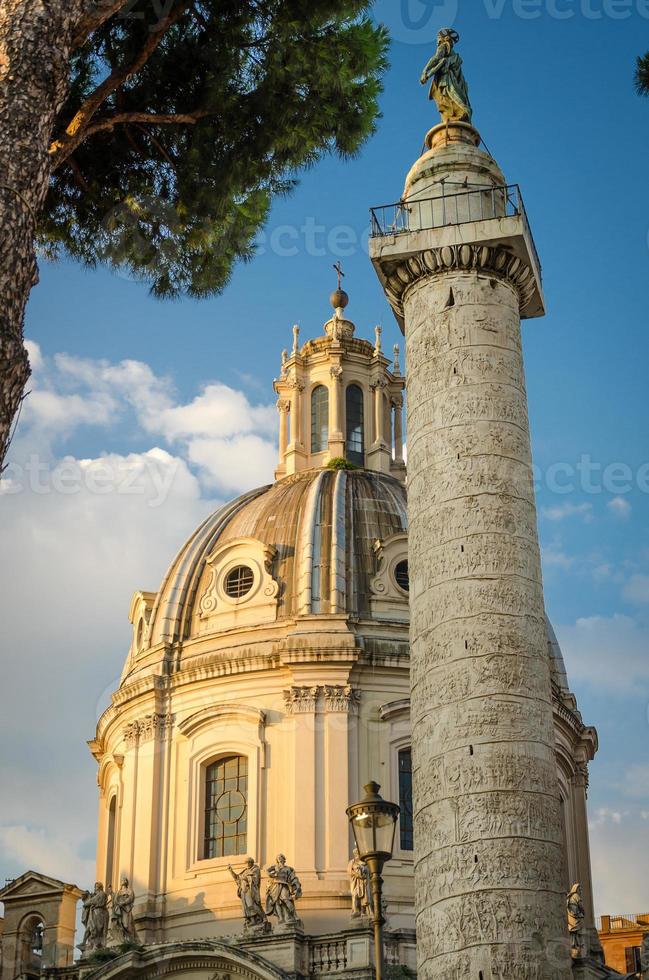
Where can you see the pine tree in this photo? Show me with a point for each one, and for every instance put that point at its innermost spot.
(642, 74)
(153, 135)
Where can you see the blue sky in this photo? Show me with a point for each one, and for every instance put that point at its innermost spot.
(175, 400)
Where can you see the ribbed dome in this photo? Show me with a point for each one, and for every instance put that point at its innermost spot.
(322, 526)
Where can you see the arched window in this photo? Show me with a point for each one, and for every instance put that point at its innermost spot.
(319, 419)
(31, 937)
(226, 807)
(354, 417)
(110, 841)
(405, 800)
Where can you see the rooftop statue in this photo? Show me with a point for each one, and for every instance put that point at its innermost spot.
(121, 927)
(448, 87)
(283, 892)
(248, 884)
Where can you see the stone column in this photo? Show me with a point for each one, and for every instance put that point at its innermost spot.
(336, 436)
(379, 426)
(398, 430)
(283, 407)
(488, 832)
(489, 899)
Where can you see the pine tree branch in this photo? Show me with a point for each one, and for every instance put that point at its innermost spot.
(79, 127)
(95, 13)
(147, 118)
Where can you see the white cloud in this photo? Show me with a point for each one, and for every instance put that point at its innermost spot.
(620, 508)
(36, 849)
(219, 412)
(80, 533)
(554, 557)
(618, 838)
(231, 464)
(636, 589)
(607, 653)
(562, 511)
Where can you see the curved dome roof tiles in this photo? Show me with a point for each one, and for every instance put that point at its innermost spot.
(322, 525)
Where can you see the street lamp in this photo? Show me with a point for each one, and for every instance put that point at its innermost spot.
(374, 821)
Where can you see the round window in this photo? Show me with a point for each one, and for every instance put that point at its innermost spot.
(401, 575)
(239, 581)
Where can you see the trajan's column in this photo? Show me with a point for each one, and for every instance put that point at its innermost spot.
(458, 265)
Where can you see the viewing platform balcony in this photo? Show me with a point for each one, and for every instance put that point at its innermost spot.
(485, 215)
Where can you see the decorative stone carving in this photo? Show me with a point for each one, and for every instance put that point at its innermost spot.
(296, 341)
(248, 883)
(359, 879)
(121, 927)
(490, 260)
(148, 727)
(337, 697)
(378, 330)
(341, 698)
(336, 373)
(282, 893)
(388, 599)
(140, 616)
(94, 917)
(300, 700)
(219, 610)
(396, 367)
(576, 916)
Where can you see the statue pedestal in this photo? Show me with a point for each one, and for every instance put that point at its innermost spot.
(293, 928)
(452, 132)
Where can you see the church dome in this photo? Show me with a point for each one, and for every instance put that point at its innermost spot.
(308, 544)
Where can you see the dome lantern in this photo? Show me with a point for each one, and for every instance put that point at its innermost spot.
(340, 398)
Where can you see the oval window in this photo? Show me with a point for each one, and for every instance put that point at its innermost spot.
(402, 576)
(239, 581)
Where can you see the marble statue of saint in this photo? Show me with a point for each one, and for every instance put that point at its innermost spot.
(576, 915)
(283, 892)
(359, 877)
(94, 917)
(448, 87)
(248, 883)
(644, 957)
(122, 927)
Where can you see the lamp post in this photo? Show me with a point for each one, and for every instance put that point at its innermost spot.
(373, 822)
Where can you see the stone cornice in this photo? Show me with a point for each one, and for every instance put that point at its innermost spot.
(494, 261)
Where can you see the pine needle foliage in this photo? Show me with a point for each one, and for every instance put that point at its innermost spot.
(642, 74)
(185, 118)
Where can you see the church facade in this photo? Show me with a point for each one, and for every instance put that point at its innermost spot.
(269, 676)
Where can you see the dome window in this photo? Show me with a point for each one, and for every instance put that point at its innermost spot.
(319, 419)
(239, 582)
(402, 575)
(355, 435)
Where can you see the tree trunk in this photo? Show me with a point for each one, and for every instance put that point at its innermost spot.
(35, 47)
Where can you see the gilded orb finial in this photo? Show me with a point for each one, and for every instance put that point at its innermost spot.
(339, 298)
(448, 88)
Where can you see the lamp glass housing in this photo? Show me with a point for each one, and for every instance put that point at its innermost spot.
(374, 822)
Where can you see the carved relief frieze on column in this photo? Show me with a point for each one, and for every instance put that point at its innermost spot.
(341, 697)
(146, 728)
(300, 700)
